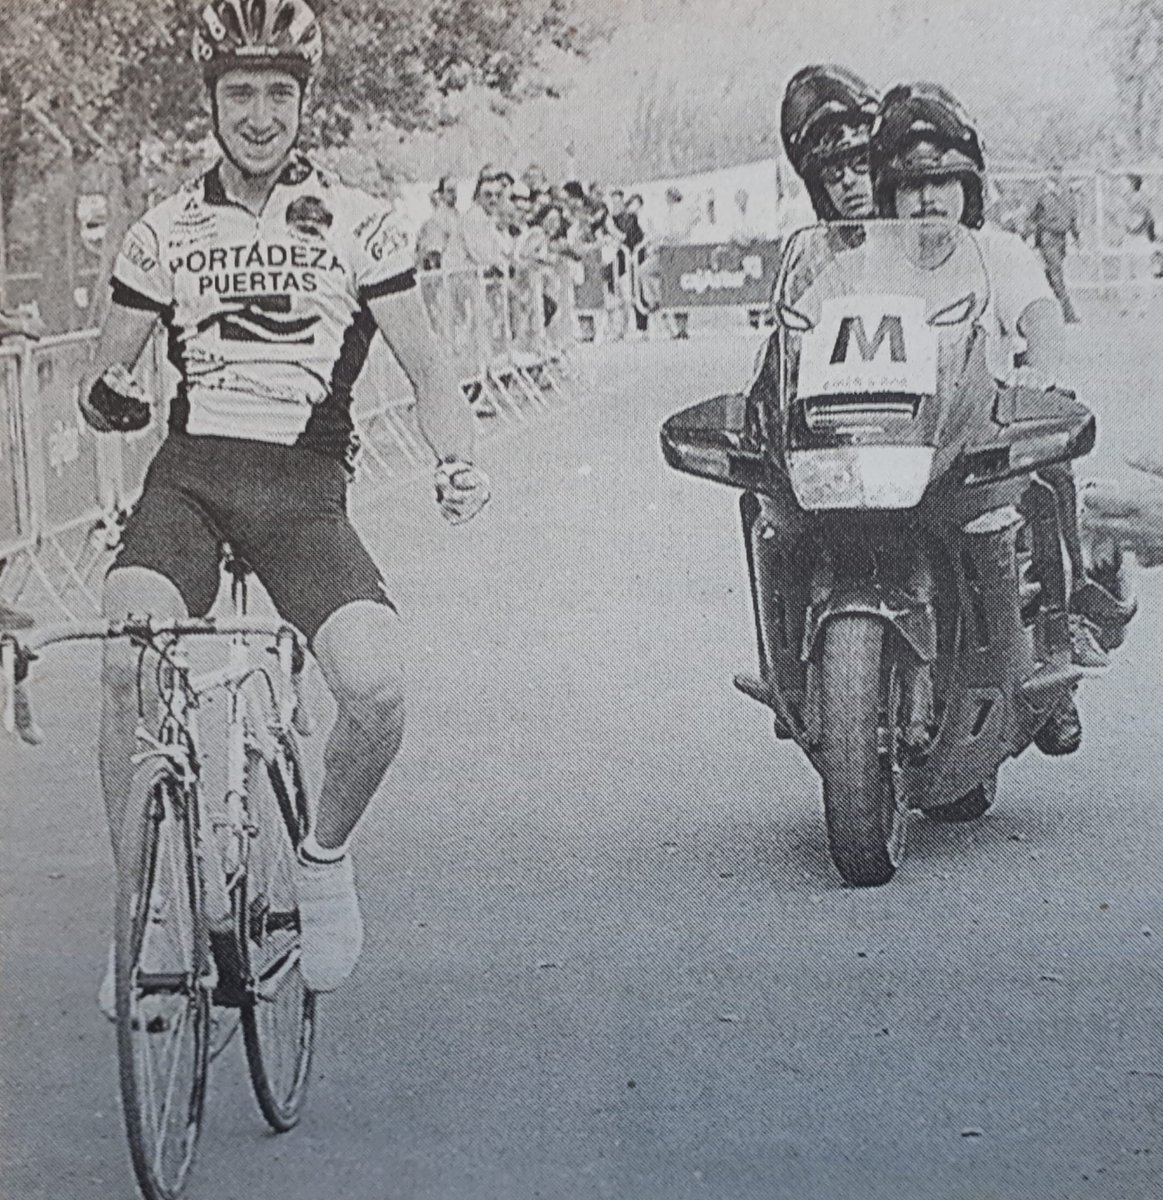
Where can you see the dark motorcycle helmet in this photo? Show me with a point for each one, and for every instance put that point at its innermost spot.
(826, 116)
(922, 132)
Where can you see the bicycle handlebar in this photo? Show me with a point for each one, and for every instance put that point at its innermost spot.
(18, 653)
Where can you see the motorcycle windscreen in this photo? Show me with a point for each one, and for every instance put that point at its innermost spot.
(874, 321)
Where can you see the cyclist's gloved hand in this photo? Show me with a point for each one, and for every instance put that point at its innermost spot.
(462, 490)
(116, 403)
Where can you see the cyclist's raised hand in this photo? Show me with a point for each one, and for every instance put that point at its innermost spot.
(462, 490)
(116, 403)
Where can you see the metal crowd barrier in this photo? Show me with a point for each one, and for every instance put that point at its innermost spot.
(509, 333)
(62, 484)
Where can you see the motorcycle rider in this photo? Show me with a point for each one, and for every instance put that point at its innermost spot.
(927, 161)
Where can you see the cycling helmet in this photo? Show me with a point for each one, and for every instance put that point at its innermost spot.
(922, 132)
(826, 116)
(280, 34)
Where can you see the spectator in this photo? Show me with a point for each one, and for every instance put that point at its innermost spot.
(486, 245)
(574, 197)
(1138, 246)
(633, 235)
(439, 242)
(520, 208)
(609, 241)
(530, 254)
(536, 181)
(1053, 219)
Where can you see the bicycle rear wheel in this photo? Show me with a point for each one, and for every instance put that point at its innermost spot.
(278, 1013)
(163, 999)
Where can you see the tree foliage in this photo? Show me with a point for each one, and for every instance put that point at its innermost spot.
(120, 70)
(1135, 30)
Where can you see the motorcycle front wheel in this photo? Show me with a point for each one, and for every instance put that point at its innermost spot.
(859, 750)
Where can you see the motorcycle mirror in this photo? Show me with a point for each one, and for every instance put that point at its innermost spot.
(1015, 405)
(707, 439)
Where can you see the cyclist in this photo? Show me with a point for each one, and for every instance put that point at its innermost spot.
(927, 161)
(271, 279)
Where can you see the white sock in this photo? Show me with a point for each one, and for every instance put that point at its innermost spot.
(310, 850)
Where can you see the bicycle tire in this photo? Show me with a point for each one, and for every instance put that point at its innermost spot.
(278, 1011)
(162, 993)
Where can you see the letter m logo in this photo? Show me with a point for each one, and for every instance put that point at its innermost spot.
(852, 329)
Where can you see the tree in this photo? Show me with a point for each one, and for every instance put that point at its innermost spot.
(122, 70)
(1136, 39)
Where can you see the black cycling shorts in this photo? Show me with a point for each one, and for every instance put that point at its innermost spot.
(283, 509)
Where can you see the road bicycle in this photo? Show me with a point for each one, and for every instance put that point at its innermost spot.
(206, 924)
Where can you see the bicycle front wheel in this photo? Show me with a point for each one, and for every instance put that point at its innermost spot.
(278, 1013)
(163, 998)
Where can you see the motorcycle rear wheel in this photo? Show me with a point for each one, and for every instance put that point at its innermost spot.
(859, 750)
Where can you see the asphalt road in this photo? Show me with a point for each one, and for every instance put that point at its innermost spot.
(607, 955)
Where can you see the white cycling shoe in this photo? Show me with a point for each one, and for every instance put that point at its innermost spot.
(331, 926)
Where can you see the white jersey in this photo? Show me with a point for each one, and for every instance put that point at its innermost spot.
(267, 314)
(1017, 279)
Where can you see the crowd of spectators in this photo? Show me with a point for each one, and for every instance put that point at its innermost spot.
(538, 234)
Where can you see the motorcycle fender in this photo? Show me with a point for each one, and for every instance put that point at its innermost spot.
(914, 623)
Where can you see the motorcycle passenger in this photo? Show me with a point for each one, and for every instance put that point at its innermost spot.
(927, 161)
(825, 125)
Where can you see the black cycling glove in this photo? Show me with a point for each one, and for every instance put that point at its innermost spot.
(114, 404)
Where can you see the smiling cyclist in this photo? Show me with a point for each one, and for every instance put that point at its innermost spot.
(271, 278)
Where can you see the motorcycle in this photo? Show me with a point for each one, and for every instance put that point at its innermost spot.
(910, 598)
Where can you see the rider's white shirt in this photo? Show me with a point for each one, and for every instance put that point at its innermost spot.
(1016, 279)
(267, 313)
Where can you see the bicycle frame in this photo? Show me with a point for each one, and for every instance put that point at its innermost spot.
(179, 742)
(180, 692)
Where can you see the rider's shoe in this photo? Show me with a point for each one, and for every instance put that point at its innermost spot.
(1062, 732)
(1106, 599)
(332, 929)
(1085, 650)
